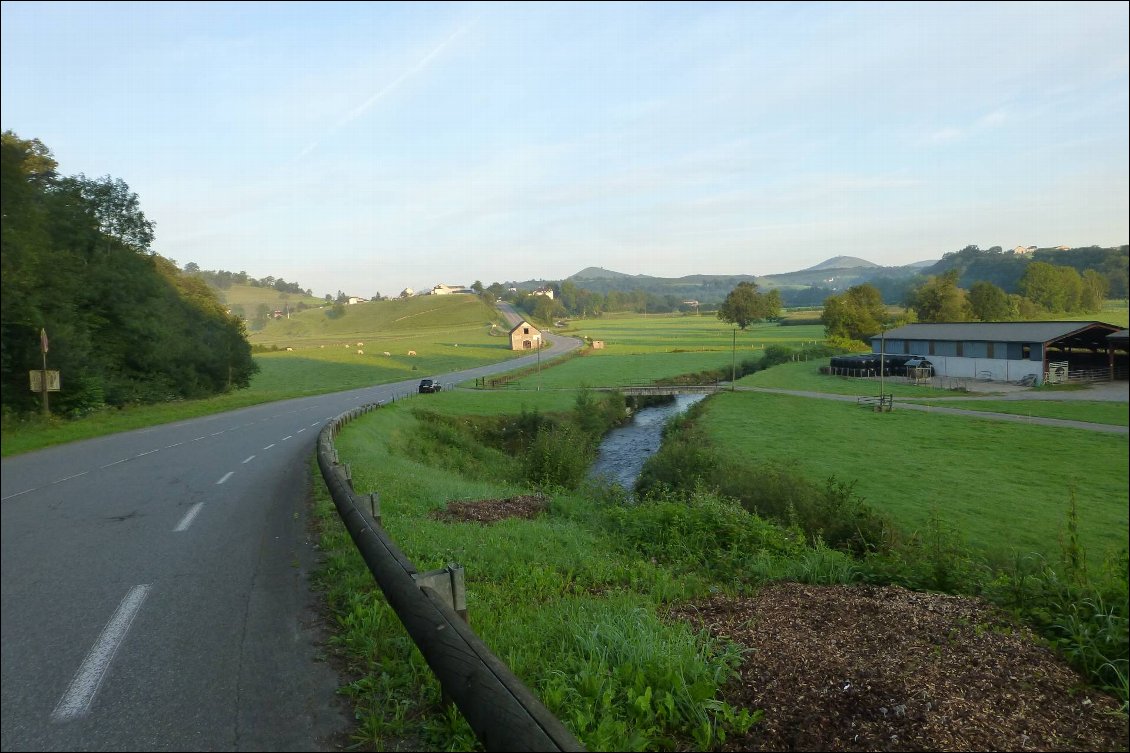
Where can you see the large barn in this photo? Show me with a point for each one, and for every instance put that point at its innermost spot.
(1013, 351)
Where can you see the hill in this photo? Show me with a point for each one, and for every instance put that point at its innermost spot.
(392, 318)
(250, 297)
(843, 262)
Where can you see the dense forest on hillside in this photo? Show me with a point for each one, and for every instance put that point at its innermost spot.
(123, 325)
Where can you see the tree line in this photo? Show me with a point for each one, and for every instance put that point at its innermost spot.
(223, 280)
(124, 325)
(1045, 290)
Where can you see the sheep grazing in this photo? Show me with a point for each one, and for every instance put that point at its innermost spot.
(360, 352)
(360, 345)
(387, 353)
(290, 350)
(411, 352)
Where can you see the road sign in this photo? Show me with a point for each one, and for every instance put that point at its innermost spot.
(36, 378)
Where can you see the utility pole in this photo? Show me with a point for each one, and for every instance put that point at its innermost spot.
(882, 365)
(43, 382)
(539, 363)
(733, 358)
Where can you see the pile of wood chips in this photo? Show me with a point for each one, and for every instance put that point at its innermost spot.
(488, 511)
(882, 668)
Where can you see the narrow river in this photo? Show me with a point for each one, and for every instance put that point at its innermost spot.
(625, 449)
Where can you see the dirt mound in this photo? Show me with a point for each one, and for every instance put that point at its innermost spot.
(493, 510)
(883, 668)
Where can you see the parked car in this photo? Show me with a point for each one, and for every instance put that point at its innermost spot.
(429, 385)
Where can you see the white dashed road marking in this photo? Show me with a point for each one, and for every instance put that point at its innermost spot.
(189, 516)
(227, 475)
(76, 701)
(245, 462)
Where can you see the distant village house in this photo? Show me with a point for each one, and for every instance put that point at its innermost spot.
(442, 289)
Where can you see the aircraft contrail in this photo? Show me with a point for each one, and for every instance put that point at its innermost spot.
(361, 109)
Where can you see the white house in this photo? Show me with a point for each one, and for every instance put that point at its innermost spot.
(442, 289)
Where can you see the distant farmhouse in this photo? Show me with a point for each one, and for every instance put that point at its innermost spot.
(525, 336)
(1023, 250)
(1013, 351)
(442, 289)
(547, 292)
(355, 299)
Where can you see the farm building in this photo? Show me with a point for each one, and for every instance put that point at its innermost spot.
(525, 336)
(1013, 351)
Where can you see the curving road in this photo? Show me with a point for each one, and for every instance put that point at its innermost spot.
(155, 589)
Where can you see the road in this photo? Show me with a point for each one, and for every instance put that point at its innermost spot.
(156, 585)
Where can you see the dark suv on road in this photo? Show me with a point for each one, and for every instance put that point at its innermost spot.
(429, 385)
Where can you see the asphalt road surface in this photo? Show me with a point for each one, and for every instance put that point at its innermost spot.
(155, 585)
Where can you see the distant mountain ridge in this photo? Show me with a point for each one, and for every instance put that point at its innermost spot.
(842, 262)
(808, 287)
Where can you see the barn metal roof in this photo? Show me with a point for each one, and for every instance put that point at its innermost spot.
(1027, 332)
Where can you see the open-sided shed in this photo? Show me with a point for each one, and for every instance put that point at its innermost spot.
(1011, 351)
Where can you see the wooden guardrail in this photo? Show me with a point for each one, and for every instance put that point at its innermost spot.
(501, 710)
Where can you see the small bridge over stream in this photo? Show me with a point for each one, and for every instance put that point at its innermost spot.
(664, 389)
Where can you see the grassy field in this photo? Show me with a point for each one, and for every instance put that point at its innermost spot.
(1094, 411)
(1005, 486)
(250, 297)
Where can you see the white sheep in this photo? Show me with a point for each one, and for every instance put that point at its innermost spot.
(387, 353)
(360, 345)
(290, 350)
(360, 352)
(411, 352)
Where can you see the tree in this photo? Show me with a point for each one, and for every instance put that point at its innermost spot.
(477, 286)
(1052, 288)
(988, 302)
(939, 299)
(744, 305)
(116, 209)
(1095, 287)
(856, 315)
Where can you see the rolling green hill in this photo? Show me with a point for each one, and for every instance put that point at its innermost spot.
(250, 297)
(423, 316)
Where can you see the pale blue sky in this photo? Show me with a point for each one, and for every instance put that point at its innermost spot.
(368, 147)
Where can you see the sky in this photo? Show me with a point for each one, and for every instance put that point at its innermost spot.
(370, 147)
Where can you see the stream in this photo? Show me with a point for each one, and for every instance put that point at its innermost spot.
(625, 449)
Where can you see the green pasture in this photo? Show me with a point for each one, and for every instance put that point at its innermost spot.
(668, 332)
(644, 349)
(250, 297)
(1094, 411)
(396, 325)
(1005, 486)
